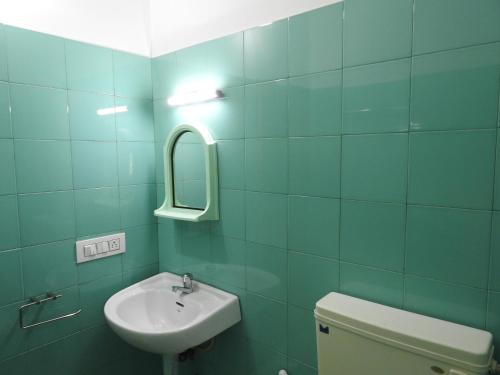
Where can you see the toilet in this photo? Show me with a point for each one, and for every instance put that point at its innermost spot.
(358, 337)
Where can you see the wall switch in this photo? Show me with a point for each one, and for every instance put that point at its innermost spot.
(100, 247)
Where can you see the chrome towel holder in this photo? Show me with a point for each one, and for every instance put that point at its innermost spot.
(36, 301)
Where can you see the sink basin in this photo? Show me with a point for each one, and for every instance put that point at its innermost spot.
(149, 316)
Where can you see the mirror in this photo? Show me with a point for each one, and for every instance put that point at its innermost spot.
(191, 177)
(189, 172)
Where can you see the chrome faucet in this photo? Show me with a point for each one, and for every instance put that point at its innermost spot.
(187, 284)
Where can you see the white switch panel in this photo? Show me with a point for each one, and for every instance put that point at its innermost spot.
(100, 247)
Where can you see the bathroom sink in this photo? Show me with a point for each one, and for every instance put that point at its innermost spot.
(151, 317)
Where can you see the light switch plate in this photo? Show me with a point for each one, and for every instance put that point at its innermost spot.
(107, 245)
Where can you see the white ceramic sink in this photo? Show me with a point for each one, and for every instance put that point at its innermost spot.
(150, 316)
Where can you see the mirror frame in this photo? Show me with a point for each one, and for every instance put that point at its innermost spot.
(168, 208)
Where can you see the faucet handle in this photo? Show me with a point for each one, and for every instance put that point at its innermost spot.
(187, 279)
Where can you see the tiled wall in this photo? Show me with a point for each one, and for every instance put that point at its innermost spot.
(67, 173)
(357, 153)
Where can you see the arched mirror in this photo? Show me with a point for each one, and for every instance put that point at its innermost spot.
(191, 180)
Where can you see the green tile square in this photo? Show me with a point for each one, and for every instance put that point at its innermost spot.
(266, 109)
(440, 25)
(231, 163)
(217, 62)
(456, 89)
(43, 166)
(136, 124)
(376, 30)
(35, 58)
(136, 163)
(5, 127)
(137, 203)
(496, 197)
(376, 98)
(313, 225)
(266, 165)
(314, 166)
(231, 221)
(310, 278)
(265, 52)
(456, 303)
(3, 55)
(7, 167)
(374, 167)
(494, 279)
(452, 168)
(302, 335)
(94, 164)
(449, 244)
(315, 40)
(10, 277)
(9, 228)
(296, 367)
(266, 218)
(493, 317)
(228, 258)
(132, 75)
(46, 217)
(99, 268)
(142, 246)
(315, 104)
(266, 322)
(266, 271)
(163, 75)
(85, 121)
(90, 68)
(97, 211)
(372, 284)
(373, 234)
(12, 339)
(263, 360)
(48, 267)
(39, 112)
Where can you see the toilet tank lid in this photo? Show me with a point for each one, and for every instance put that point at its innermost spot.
(432, 337)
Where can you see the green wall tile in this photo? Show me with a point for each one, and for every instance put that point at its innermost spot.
(3, 55)
(302, 335)
(296, 367)
(310, 278)
(456, 89)
(85, 122)
(494, 279)
(97, 211)
(459, 304)
(372, 284)
(314, 104)
(137, 204)
(46, 217)
(137, 123)
(136, 163)
(266, 52)
(228, 257)
(48, 267)
(452, 168)
(266, 165)
(367, 37)
(10, 277)
(90, 68)
(142, 246)
(9, 227)
(449, 244)
(314, 166)
(5, 127)
(39, 112)
(163, 75)
(231, 222)
(374, 167)
(266, 109)
(440, 25)
(266, 218)
(217, 63)
(373, 234)
(315, 40)
(7, 167)
(262, 360)
(493, 317)
(266, 322)
(12, 339)
(99, 268)
(94, 164)
(132, 75)
(43, 166)
(496, 192)
(313, 225)
(376, 98)
(35, 58)
(231, 163)
(266, 272)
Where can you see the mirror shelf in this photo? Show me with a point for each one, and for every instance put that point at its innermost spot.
(177, 205)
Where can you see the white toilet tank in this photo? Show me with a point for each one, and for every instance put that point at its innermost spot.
(357, 337)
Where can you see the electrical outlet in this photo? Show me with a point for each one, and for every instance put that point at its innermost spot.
(100, 247)
(114, 244)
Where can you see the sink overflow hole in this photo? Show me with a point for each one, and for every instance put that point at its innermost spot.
(179, 304)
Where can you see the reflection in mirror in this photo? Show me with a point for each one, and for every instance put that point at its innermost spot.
(189, 175)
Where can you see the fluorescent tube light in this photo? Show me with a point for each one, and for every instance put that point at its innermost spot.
(111, 110)
(196, 96)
